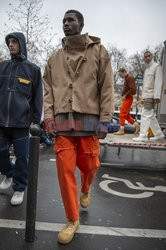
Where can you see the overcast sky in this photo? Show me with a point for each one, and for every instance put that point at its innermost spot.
(130, 24)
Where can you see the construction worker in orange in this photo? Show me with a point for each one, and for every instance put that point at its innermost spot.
(129, 89)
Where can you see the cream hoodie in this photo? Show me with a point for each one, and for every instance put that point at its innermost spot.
(152, 83)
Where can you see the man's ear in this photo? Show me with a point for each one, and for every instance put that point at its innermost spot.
(81, 26)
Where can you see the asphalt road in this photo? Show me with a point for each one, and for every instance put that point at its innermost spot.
(127, 211)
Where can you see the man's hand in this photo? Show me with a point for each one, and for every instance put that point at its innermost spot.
(101, 135)
(50, 126)
(156, 100)
(102, 130)
(141, 102)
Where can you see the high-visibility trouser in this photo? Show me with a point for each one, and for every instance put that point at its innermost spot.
(80, 151)
(125, 111)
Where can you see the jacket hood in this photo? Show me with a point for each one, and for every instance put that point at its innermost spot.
(79, 41)
(21, 39)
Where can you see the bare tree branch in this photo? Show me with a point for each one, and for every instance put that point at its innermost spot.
(26, 18)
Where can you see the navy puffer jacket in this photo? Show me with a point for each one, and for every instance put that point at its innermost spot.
(21, 96)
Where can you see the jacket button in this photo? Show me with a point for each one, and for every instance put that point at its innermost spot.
(70, 85)
(77, 72)
(70, 100)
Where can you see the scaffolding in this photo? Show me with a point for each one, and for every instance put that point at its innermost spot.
(161, 115)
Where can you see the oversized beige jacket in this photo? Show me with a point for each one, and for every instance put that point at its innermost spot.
(78, 78)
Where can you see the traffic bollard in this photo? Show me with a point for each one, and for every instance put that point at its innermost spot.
(32, 183)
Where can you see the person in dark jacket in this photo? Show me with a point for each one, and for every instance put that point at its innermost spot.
(21, 101)
(129, 89)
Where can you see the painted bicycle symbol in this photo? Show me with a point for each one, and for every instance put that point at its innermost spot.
(145, 191)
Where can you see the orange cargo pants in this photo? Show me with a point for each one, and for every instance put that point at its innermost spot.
(125, 111)
(80, 151)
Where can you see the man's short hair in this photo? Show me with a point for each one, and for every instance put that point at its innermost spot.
(148, 51)
(78, 15)
(123, 70)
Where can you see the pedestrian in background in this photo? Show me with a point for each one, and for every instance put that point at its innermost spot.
(129, 89)
(151, 94)
(20, 105)
(78, 94)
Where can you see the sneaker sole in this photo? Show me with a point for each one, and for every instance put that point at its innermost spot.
(64, 242)
(157, 139)
(16, 203)
(84, 206)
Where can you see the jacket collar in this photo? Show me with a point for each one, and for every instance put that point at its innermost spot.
(126, 76)
(78, 41)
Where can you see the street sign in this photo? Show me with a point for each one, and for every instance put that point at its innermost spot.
(139, 79)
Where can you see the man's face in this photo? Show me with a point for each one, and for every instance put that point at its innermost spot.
(122, 74)
(71, 25)
(14, 46)
(148, 57)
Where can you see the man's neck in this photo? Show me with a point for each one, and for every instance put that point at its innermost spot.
(16, 57)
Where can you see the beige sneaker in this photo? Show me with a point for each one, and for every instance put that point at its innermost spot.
(85, 199)
(121, 131)
(137, 128)
(67, 233)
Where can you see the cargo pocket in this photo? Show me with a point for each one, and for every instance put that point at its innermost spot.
(149, 104)
(96, 151)
(62, 143)
(95, 146)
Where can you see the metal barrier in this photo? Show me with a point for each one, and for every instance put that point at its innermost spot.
(32, 183)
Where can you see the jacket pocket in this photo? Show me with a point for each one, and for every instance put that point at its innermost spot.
(23, 85)
(3, 83)
(23, 80)
(3, 109)
(22, 116)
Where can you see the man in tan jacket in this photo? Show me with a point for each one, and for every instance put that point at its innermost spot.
(78, 105)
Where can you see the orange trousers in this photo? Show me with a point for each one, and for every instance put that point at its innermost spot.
(80, 151)
(125, 111)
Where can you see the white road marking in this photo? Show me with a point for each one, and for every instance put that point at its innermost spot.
(105, 186)
(139, 186)
(146, 191)
(96, 230)
(52, 159)
(112, 164)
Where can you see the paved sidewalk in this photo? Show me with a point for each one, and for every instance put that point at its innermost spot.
(123, 152)
(126, 141)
